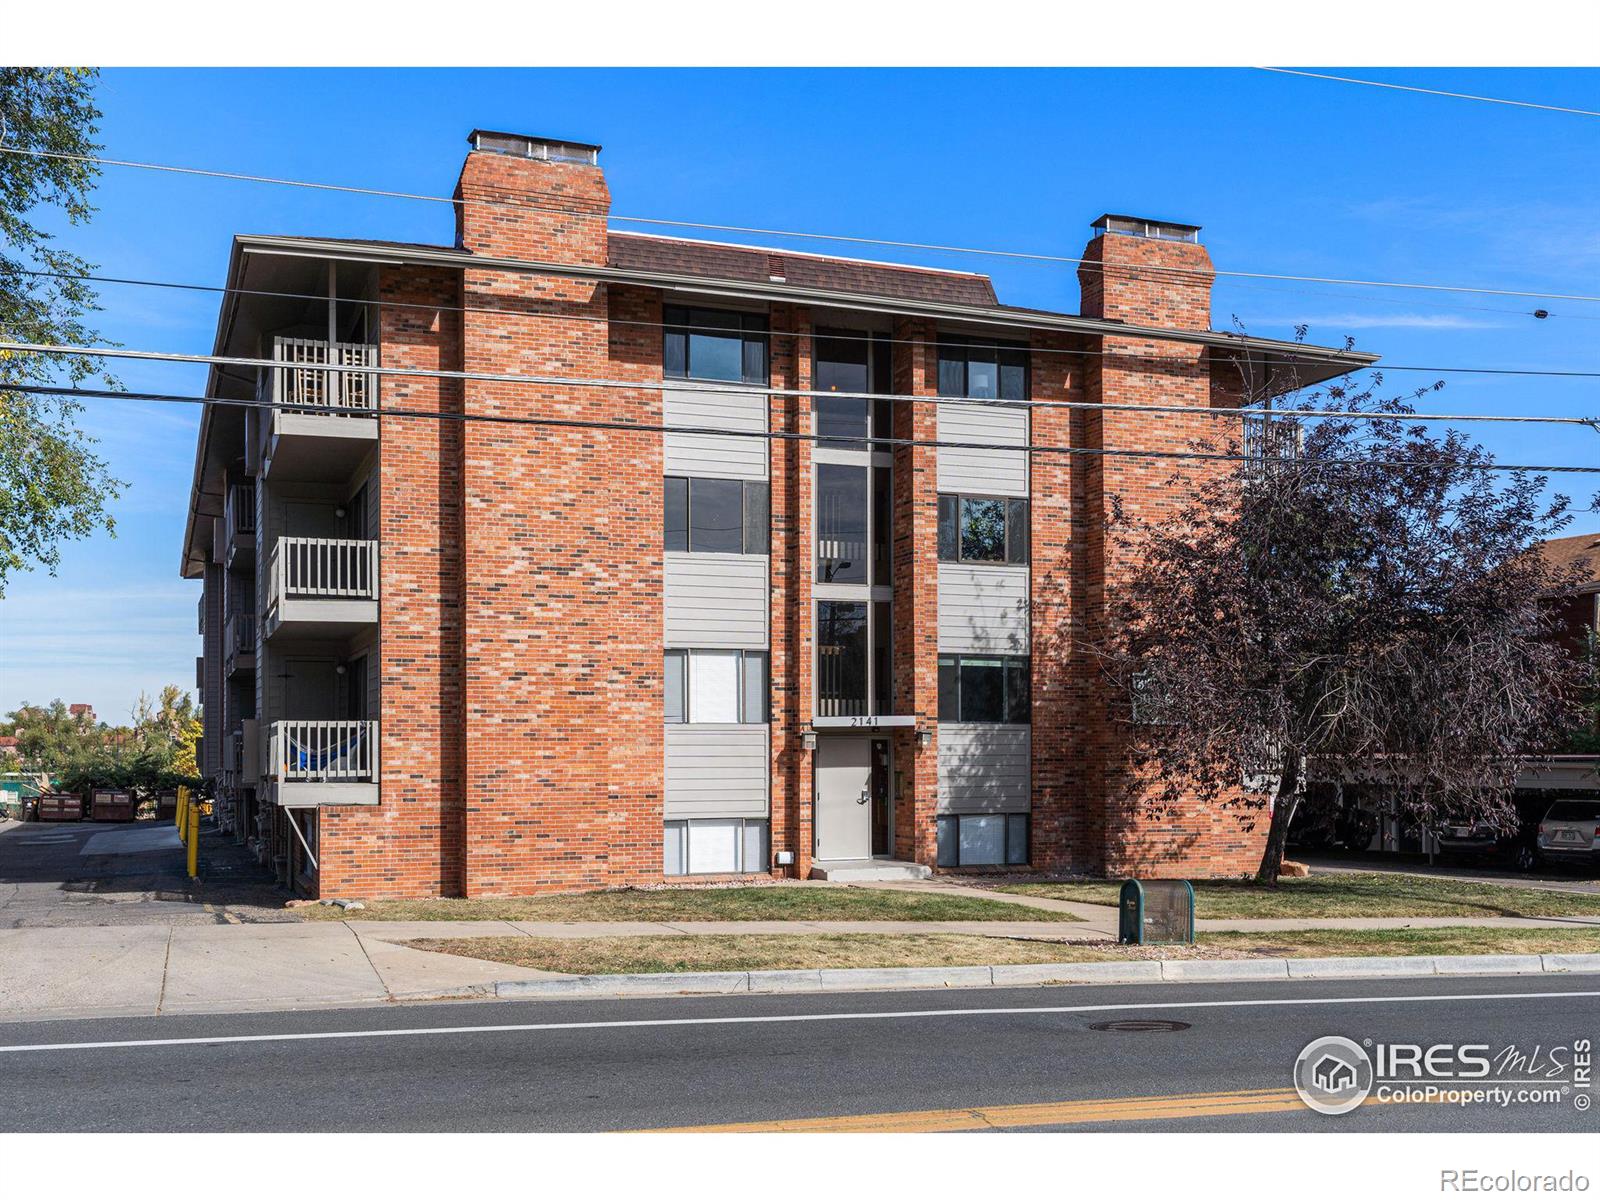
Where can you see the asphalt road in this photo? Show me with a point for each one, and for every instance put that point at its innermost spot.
(950, 1059)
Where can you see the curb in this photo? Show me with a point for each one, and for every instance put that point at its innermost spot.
(723, 983)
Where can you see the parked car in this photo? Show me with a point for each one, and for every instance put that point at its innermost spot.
(1568, 832)
(1483, 839)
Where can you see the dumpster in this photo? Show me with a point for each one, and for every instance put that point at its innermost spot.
(60, 806)
(1155, 912)
(107, 804)
(166, 805)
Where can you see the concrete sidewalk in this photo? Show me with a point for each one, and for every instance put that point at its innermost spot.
(149, 970)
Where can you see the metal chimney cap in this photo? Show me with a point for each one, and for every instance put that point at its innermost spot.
(523, 145)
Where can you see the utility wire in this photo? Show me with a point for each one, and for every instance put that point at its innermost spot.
(1094, 264)
(768, 435)
(701, 387)
(1403, 87)
(834, 335)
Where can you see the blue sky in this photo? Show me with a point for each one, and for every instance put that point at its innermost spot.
(1285, 174)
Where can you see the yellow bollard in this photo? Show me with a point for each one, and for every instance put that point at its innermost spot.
(194, 841)
(180, 818)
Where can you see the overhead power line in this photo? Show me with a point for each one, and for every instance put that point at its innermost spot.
(1404, 87)
(768, 435)
(701, 387)
(837, 335)
(1094, 264)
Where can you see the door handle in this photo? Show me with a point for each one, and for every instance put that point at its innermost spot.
(863, 798)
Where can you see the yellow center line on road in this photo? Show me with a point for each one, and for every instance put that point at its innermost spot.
(1023, 1116)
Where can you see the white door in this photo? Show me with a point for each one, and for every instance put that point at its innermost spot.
(844, 798)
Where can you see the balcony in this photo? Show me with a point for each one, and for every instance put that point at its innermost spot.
(239, 643)
(331, 425)
(239, 526)
(313, 763)
(321, 587)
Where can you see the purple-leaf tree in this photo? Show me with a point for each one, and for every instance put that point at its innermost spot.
(1352, 600)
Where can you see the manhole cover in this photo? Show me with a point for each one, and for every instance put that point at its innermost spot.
(1140, 1026)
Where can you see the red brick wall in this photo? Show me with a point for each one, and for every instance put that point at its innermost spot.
(791, 642)
(410, 844)
(562, 553)
(1192, 839)
(916, 592)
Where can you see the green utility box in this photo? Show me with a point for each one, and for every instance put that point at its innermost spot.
(1156, 912)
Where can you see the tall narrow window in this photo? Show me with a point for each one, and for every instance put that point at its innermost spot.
(675, 705)
(842, 366)
(882, 506)
(841, 659)
(841, 524)
(676, 509)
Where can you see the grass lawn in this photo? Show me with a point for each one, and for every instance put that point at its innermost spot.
(1348, 894)
(659, 955)
(775, 902)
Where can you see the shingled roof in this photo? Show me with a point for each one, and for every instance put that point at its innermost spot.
(754, 264)
(1564, 552)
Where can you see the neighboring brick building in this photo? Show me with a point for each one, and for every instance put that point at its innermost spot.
(451, 652)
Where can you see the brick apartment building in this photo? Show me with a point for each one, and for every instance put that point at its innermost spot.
(482, 656)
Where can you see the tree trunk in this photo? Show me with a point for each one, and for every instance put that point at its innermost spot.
(1283, 808)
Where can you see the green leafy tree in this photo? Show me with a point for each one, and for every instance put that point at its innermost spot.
(53, 487)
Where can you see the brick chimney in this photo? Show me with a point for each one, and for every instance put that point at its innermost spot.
(548, 199)
(1176, 295)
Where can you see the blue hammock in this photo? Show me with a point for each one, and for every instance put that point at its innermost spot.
(302, 759)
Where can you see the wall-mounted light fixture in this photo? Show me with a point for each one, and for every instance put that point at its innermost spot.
(924, 737)
(808, 741)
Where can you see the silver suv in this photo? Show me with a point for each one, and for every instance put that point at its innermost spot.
(1567, 833)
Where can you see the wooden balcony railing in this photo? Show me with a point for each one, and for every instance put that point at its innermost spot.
(323, 751)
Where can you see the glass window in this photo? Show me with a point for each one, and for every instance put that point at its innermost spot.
(882, 506)
(988, 690)
(982, 369)
(1017, 839)
(1017, 531)
(704, 343)
(1013, 374)
(754, 846)
(714, 847)
(675, 706)
(983, 374)
(753, 701)
(949, 689)
(757, 517)
(1019, 699)
(841, 659)
(841, 366)
(983, 690)
(983, 530)
(882, 658)
(949, 847)
(949, 537)
(714, 686)
(841, 523)
(676, 508)
(674, 860)
(983, 840)
(716, 516)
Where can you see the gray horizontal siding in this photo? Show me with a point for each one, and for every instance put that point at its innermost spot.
(985, 472)
(984, 768)
(717, 601)
(982, 609)
(710, 456)
(717, 771)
